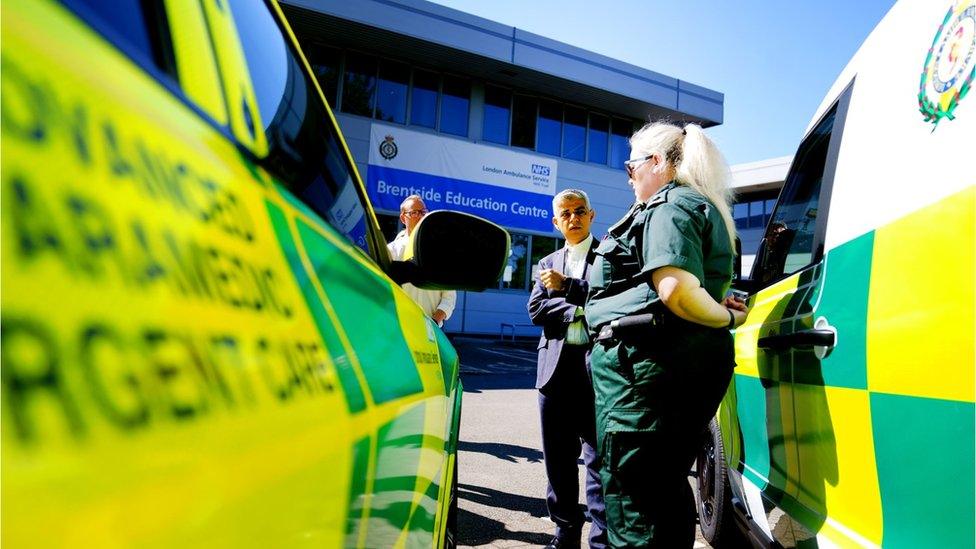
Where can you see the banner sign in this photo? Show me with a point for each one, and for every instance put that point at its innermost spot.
(512, 189)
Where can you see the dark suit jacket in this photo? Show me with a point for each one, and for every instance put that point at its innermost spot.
(555, 310)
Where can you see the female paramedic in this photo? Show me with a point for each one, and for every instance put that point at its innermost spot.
(663, 355)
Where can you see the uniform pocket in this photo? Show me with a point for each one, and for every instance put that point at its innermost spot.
(628, 455)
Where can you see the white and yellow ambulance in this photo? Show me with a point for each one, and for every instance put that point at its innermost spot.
(204, 340)
(850, 418)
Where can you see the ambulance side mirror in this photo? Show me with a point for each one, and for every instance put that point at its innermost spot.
(454, 251)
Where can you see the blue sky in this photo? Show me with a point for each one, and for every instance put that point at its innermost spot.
(774, 61)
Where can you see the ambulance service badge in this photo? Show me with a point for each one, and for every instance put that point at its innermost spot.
(950, 64)
(388, 148)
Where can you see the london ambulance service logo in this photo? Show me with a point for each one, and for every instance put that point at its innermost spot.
(949, 66)
(388, 148)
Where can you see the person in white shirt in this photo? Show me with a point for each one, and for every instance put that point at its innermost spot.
(563, 375)
(437, 304)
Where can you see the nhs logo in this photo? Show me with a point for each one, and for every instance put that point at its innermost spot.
(539, 169)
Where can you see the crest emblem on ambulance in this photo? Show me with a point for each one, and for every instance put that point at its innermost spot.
(950, 64)
(388, 148)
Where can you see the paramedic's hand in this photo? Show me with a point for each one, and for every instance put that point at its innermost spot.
(738, 307)
(439, 317)
(552, 279)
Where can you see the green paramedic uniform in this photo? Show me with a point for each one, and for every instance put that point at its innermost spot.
(658, 384)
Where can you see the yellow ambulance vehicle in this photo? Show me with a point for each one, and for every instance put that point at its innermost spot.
(204, 342)
(850, 418)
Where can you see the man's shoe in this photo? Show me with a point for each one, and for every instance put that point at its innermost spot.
(557, 543)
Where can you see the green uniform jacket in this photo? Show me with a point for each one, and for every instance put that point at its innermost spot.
(677, 227)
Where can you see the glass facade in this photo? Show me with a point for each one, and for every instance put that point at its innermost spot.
(541, 247)
(391, 97)
(392, 91)
(620, 132)
(325, 63)
(753, 212)
(359, 85)
(574, 133)
(550, 127)
(423, 103)
(395, 92)
(498, 112)
(524, 112)
(455, 100)
(597, 139)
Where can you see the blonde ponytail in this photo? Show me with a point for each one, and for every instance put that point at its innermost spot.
(702, 167)
(694, 161)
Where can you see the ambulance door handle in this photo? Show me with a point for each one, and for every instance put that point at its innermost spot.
(822, 339)
(801, 339)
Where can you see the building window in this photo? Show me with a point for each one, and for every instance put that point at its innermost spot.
(770, 204)
(359, 85)
(389, 226)
(596, 139)
(455, 99)
(541, 247)
(325, 65)
(620, 131)
(391, 100)
(498, 108)
(574, 133)
(423, 100)
(549, 127)
(523, 260)
(756, 213)
(525, 109)
(514, 276)
(740, 213)
(753, 214)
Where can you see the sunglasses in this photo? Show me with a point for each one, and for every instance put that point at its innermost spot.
(632, 165)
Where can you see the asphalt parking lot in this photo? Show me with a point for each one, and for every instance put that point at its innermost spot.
(502, 481)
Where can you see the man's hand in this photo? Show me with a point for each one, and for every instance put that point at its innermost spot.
(439, 317)
(552, 279)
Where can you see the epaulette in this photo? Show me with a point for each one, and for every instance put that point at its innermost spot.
(659, 198)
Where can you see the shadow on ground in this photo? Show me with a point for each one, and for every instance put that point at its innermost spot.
(475, 529)
(474, 383)
(489, 364)
(507, 452)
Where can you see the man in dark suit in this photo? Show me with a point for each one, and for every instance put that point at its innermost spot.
(563, 376)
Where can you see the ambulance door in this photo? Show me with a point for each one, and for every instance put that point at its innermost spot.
(385, 350)
(834, 483)
(779, 387)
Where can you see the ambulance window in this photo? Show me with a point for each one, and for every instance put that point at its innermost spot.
(788, 245)
(138, 28)
(304, 149)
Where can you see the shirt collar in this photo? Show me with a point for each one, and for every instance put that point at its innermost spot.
(581, 247)
(667, 187)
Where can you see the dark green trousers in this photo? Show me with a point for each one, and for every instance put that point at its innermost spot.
(654, 399)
